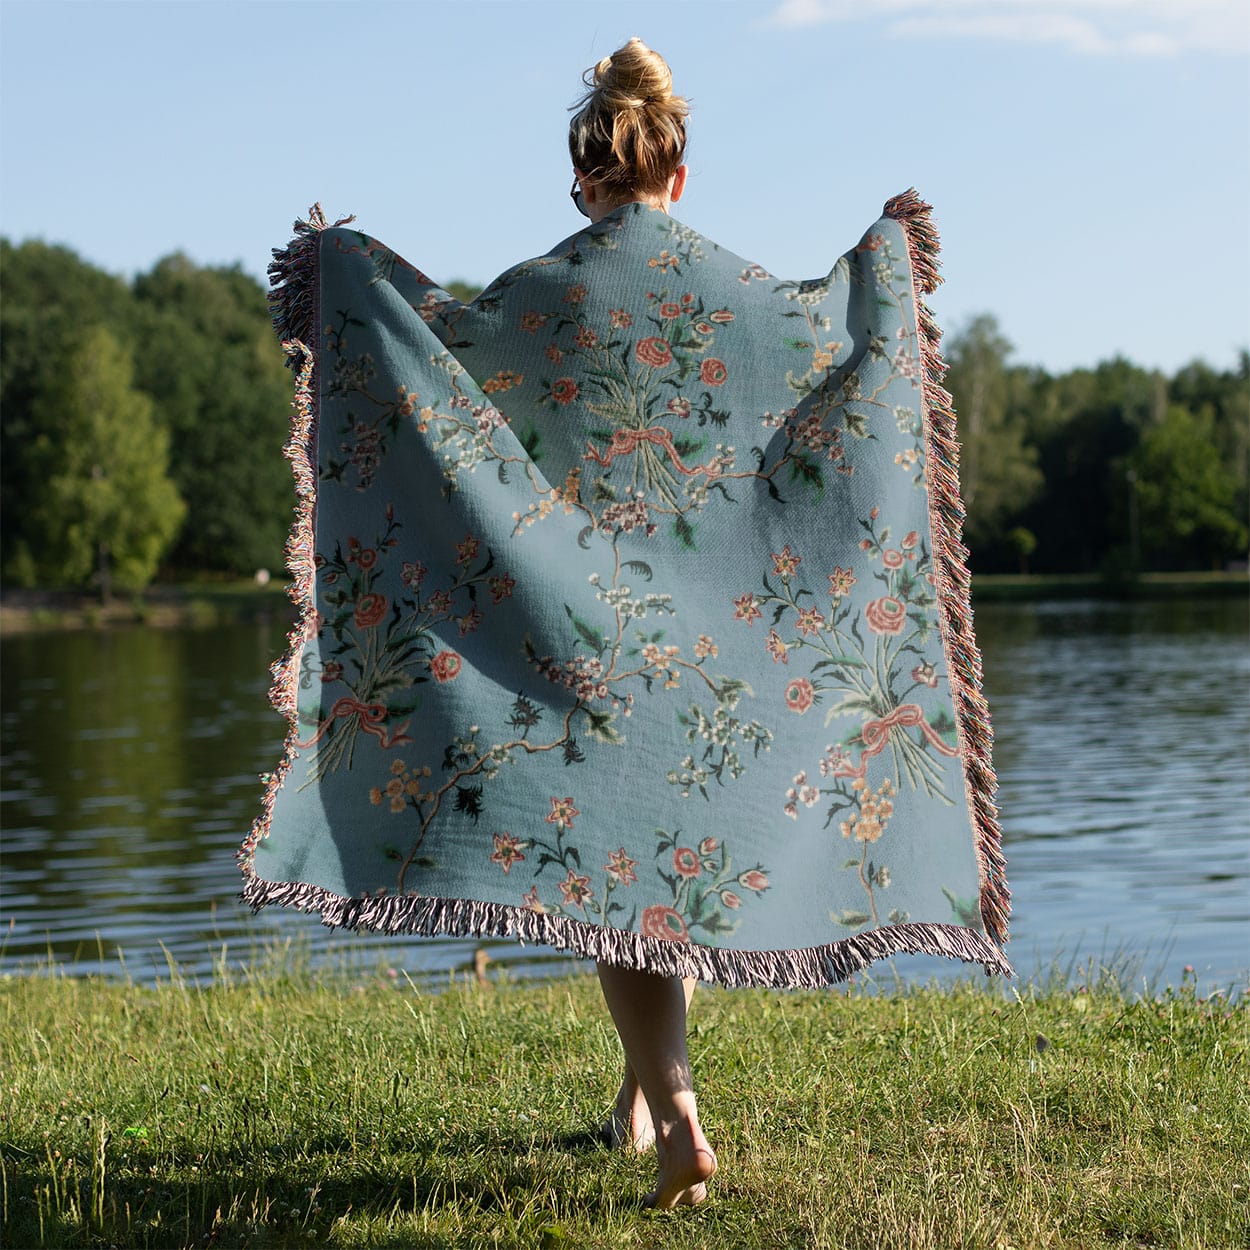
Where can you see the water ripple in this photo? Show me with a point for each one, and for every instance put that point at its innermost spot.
(131, 772)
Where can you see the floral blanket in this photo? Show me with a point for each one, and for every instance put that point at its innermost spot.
(634, 614)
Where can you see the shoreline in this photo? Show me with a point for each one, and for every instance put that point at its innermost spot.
(173, 606)
(204, 604)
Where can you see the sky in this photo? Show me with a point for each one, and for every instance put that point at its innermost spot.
(1088, 160)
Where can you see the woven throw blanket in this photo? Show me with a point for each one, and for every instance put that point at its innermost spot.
(635, 619)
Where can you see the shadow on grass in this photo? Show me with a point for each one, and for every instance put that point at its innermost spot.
(265, 1196)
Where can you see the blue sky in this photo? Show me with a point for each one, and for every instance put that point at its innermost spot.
(1089, 160)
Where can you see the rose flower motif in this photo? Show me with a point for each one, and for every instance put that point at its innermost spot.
(370, 609)
(664, 923)
(712, 372)
(564, 390)
(686, 862)
(446, 666)
(800, 695)
(886, 615)
(654, 351)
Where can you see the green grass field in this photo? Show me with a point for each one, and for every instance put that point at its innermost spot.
(280, 1108)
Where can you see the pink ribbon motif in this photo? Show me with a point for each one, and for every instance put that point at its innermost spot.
(372, 719)
(876, 734)
(625, 443)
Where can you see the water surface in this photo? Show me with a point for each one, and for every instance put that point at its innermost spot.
(131, 759)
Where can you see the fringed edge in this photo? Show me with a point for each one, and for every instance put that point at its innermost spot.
(810, 968)
(294, 302)
(972, 717)
(294, 294)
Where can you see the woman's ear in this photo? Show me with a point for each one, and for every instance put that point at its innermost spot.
(678, 184)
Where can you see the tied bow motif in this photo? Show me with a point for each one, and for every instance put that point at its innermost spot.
(875, 734)
(371, 719)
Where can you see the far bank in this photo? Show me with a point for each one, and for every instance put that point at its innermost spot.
(203, 604)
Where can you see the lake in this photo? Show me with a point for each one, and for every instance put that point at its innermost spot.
(130, 774)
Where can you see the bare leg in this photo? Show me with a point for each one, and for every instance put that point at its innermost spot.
(629, 1125)
(650, 1015)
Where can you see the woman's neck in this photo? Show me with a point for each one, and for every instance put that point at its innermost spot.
(600, 209)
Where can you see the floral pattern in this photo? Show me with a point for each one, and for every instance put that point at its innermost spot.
(626, 602)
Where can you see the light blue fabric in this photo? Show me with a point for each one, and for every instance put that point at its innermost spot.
(627, 630)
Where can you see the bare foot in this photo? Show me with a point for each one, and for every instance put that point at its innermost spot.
(686, 1165)
(629, 1126)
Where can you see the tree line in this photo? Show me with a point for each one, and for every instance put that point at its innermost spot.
(142, 425)
(1114, 470)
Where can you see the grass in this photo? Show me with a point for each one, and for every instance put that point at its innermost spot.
(282, 1108)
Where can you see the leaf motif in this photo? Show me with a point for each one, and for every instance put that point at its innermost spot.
(685, 532)
(966, 910)
(802, 467)
(588, 632)
(600, 726)
(525, 714)
(641, 567)
(851, 919)
(853, 703)
(469, 800)
(530, 440)
(856, 422)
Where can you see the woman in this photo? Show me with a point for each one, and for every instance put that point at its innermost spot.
(627, 625)
(628, 143)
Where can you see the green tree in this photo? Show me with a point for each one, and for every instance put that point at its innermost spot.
(1223, 399)
(106, 506)
(1085, 424)
(465, 292)
(1186, 494)
(208, 353)
(51, 298)
(997, 467)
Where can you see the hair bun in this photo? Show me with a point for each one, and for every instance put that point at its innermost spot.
(630, 129)
(633, 77)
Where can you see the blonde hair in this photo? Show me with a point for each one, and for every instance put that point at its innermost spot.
(629, 133)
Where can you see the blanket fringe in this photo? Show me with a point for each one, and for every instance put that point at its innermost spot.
(294, 302)
(950, 557)
(810, 968)
(294, 296)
